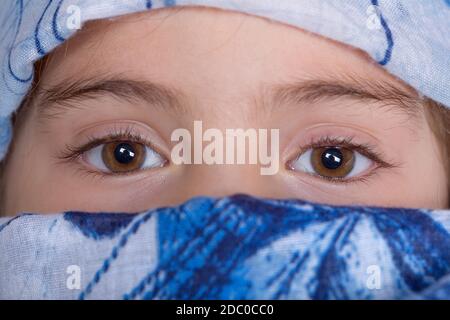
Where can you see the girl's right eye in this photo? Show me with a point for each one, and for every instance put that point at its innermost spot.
(332, 162)
(123, 157)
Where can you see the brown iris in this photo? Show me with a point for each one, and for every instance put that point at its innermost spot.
(332, 162)
(123, 156)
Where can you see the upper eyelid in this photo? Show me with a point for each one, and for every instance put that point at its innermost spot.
(71, 152)
(337, 141)
(93, 142)
(366, 150)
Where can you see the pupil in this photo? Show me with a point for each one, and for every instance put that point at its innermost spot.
(124, 153)
(332, 158)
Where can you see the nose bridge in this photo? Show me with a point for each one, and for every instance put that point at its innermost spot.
(236, 145)
(223, 180)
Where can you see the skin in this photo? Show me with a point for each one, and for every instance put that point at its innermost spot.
(221, 64)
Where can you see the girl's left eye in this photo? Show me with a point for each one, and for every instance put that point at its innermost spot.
(123, 157)
(335, 163)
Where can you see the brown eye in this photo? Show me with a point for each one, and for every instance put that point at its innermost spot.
(123, 156)
(332, 162)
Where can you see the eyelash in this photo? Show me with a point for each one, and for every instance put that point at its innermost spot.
(364, 149)
(73, 153)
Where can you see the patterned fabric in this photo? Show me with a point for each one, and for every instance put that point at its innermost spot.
(408, 37)
(232, 248)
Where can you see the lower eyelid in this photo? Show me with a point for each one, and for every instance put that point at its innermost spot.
(340, 181)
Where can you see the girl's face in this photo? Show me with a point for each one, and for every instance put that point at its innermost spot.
(97, 135)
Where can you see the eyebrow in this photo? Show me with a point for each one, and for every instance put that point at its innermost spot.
(386, 94)
(301, 92)
(68, 92)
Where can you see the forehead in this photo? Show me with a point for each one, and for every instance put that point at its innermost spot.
(205, 52)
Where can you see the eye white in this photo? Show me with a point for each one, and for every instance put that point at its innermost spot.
(304, 163)
(95, 159)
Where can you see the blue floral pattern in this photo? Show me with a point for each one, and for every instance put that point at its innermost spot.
(232, 248)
